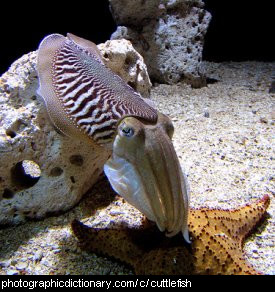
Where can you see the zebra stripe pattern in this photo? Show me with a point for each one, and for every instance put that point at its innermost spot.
(93, 97)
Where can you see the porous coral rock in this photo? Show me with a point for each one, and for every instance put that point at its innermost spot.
(168, 34)
(121, 57)
(42, 172)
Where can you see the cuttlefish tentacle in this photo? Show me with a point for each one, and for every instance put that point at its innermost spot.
(87, 101)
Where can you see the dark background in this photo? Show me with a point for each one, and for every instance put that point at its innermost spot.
(239, 31)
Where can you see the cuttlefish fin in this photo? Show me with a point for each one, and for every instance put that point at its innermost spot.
(87, 45)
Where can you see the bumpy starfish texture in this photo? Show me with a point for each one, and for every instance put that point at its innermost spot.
(217, 240)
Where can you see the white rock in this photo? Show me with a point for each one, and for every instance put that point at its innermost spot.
(168, 34)
(42, 172)
(121, 57)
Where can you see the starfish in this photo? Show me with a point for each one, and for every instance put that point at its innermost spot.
(217, 240)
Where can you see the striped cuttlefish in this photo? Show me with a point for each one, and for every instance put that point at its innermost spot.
(85, 100)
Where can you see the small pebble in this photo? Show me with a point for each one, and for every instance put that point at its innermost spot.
(263, 120)
(5, 263)
(115, 212)
(12, 272)
(206, 114)
(38, 256)
(21, 265)
(46, 263)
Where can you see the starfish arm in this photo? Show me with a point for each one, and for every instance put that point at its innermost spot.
(239, 223)
(217, 237)
(218, 254)
(166, 261)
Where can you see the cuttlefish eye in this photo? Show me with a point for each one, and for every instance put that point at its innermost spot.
(125, 130)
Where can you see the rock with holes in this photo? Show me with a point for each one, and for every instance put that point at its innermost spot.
(121, 57)
(169, 34)
(41, 171)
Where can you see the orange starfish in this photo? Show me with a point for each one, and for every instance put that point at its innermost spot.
(217, 241)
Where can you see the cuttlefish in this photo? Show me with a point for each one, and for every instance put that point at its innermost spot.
(85, 100)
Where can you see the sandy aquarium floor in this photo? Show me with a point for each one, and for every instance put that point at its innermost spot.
(224, 137)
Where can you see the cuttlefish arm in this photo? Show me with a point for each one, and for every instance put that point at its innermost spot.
(145, 170)
(85, 100)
